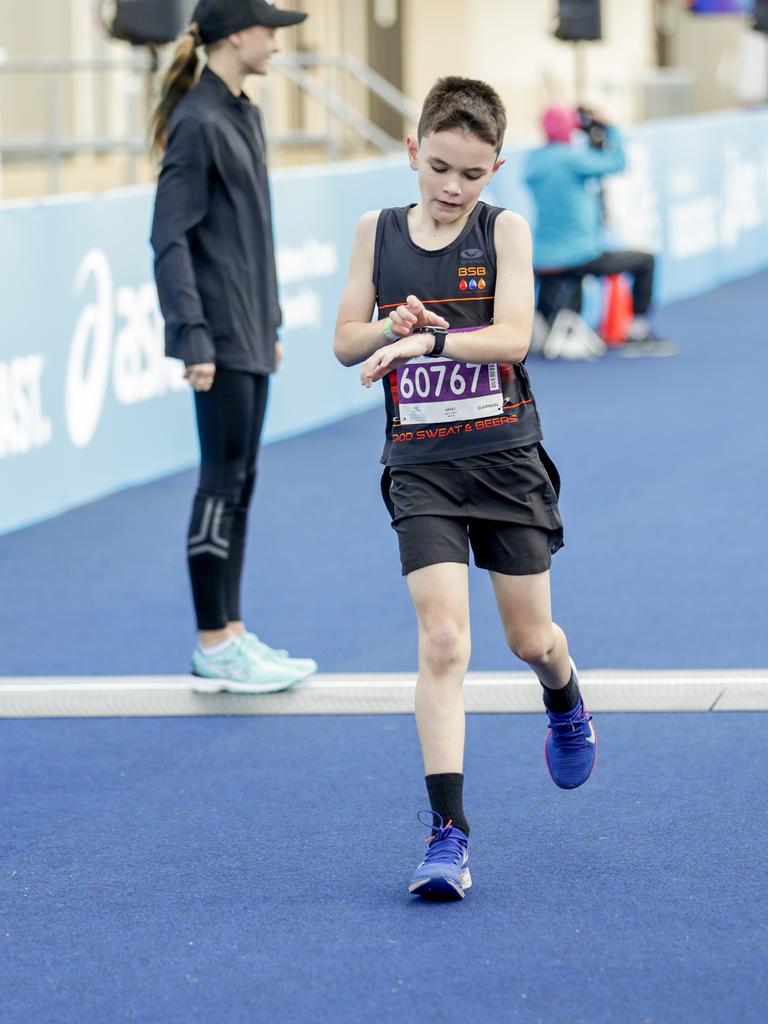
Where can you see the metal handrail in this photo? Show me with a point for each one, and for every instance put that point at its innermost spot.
(375, 82)
(46, 66)
(141, 61)
(336, 106)
(295, 67)
(134, 144)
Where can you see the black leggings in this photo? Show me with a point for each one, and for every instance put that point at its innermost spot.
(562, 289)
(229, 421)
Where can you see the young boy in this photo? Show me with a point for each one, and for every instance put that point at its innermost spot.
(452, 280)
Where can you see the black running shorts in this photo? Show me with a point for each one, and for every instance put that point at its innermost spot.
(503, 505)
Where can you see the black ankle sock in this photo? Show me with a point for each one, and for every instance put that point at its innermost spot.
(563, 700)
(446, 798)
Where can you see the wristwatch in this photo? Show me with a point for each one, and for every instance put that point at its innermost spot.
(439, 334)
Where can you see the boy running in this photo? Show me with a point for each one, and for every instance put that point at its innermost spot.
(452, 280)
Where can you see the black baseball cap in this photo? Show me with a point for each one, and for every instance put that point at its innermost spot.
(217, 19)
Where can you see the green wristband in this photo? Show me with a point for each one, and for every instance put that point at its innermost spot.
(389, 334)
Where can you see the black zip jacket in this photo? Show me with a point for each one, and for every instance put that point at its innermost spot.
(212, 234)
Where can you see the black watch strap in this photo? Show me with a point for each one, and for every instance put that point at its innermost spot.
(439, 334)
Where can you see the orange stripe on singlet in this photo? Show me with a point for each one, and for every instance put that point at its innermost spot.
(429, 302)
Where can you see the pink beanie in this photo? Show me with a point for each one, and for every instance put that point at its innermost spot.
(559, 122)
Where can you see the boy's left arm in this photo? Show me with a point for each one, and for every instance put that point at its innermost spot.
(508, 338)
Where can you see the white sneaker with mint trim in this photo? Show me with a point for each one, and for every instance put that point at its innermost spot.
(236, 669)
(303, 667)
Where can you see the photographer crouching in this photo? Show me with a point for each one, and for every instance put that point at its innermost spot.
(565, 181)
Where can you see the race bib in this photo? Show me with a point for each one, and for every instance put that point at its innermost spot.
(442, 390)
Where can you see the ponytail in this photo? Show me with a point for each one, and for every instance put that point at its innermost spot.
(179, 79)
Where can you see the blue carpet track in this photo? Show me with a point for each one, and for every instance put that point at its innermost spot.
(255, 870)
(664, 491)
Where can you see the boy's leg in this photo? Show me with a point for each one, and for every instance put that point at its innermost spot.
(525, 609)
(441, 597)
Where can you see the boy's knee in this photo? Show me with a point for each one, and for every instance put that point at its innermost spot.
(445, 646)
(535, 647)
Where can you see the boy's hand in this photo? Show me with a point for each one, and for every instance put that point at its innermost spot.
(404, 320)
(414, 314)
(391, 356)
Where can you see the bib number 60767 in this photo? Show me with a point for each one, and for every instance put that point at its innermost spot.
(428, 380)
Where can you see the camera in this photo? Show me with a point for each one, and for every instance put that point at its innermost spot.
(594, 130)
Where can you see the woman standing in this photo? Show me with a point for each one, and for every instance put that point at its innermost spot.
(217, 284)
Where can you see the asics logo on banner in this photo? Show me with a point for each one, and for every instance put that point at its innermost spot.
(132, 350)
(23, 423)
(472, 254)
(208, 539)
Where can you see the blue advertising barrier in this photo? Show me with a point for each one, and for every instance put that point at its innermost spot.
(89, 404)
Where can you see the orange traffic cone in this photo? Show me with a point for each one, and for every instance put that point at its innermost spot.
(617, 311)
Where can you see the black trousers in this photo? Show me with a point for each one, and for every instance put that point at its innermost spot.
(562, 289)
(230, 418)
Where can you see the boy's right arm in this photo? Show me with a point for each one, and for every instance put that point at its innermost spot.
(356, 338)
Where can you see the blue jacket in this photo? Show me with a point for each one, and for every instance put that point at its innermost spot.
(568, 229)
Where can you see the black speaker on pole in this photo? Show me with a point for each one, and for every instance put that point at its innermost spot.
(578, 20)
(147, 22)
(760, 20)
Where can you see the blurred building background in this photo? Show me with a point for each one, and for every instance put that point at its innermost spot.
(73, 101)
(88, 402)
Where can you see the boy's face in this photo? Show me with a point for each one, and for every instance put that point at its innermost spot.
(453, 167)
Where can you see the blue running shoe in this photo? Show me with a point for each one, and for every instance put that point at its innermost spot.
(444, 872)
(571, 747)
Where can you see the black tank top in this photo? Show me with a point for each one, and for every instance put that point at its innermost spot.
(440, 409)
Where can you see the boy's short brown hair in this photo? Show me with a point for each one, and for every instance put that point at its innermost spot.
(464, 103)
